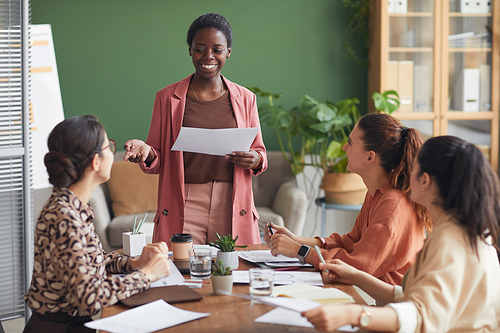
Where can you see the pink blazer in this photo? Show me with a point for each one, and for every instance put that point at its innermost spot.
(166, 123)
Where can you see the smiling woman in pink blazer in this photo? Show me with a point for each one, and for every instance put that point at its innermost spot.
(203, 194)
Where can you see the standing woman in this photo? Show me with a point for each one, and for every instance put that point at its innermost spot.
(454, 284)
(70, 280)
(389, 229)
(203, 194)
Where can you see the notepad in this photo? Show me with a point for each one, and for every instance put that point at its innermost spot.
(314, 293)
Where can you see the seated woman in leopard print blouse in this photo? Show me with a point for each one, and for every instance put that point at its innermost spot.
(70, 279)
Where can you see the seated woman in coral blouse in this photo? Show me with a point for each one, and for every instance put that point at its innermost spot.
(390, 228)
(453, 286)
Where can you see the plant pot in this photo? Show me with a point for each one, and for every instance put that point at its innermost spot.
(230, 259)
(222, 282)
(344, 188)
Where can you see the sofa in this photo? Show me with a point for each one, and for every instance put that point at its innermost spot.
(130, 193)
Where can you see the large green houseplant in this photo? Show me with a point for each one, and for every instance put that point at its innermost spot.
(317, 130)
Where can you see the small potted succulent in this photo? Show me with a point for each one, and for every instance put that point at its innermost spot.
(227, 253)
(222, 278)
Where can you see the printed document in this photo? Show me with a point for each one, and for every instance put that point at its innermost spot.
(215, 141)
(284, 277)
(150, 317)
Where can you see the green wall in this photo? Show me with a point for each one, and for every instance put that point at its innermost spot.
(114, 55)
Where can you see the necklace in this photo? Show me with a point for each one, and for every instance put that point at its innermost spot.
(222, 91)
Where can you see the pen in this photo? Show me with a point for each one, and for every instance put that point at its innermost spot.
(270, 229)
(320, 256)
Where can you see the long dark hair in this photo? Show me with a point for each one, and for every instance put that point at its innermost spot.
(396, 146)
(468, 186)
(72, 146)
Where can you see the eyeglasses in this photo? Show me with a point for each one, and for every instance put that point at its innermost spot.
(112, 146)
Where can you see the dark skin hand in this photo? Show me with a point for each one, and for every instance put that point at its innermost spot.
(245, 159)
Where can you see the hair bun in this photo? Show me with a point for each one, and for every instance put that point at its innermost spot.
(62, 172)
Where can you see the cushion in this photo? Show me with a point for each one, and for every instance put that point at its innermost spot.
(268, 215)
(131, 190)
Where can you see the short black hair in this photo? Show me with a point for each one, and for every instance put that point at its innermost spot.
(211, 20)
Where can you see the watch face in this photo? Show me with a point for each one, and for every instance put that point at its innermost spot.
(303, 250)
(364, 320)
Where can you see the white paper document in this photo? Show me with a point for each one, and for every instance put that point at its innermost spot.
(150, 317)
(282, 316)
(284, 277)
(215, 141)
(173, 279)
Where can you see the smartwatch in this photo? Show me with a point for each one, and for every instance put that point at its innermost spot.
(364, 317)
(302, 254)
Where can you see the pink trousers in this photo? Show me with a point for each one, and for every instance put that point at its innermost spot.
(207, 210)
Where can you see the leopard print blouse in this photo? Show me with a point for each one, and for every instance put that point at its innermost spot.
(70, 271)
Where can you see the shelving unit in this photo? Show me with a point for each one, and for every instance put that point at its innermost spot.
(429, 70)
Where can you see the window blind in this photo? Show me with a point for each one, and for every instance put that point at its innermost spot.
(14, 148)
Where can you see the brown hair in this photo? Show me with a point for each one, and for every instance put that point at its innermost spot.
(72, 146)
(468, 186)
(396, 146)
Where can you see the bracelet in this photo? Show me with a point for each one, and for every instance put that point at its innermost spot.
(322, 241)
(260, 161)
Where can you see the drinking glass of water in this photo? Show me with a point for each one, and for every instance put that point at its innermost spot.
(261, 281)
(200, 263)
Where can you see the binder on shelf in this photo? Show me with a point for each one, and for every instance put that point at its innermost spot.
(467, 6)
(391, 7)
(482, 6)
(405, 85)
(489, 6)
(392, 76)
(466, 91)
(422, 91)
(401, 6)
(485, 88)
(400, 78)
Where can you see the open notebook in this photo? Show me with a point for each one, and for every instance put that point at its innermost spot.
(314, 293)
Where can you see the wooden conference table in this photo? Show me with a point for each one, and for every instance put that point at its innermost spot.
(232, 314)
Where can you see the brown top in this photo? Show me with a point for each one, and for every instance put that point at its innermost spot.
(384, 240)
(70, 271)
(202, 168)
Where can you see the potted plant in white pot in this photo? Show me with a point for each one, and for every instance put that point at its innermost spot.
(227, 253)
(320, 130)
(222, 278)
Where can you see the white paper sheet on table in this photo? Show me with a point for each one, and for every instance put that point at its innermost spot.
(215, 141)
(283, 316)
(150, 317)
(173, 279)
(284, 277)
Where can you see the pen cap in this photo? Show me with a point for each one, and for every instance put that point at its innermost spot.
(181, 243)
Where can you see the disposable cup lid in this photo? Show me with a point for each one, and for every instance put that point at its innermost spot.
(181, 238)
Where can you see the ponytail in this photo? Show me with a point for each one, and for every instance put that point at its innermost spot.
(468, 186)
(396, 146)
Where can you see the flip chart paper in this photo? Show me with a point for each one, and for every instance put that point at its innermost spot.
(150, 317)
(215, 141)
